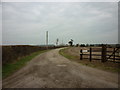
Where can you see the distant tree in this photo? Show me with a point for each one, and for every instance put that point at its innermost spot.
(77, 45)
(71, 42)
(82, 45)
(87, 45)
(91, 44)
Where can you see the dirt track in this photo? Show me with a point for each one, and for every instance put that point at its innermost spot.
(51, 70)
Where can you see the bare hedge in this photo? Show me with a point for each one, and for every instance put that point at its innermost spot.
(11, 53)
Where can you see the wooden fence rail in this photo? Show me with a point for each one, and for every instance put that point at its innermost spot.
(105, 54)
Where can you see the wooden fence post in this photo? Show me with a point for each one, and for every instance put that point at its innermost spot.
(114, 54)
(103, 58)
(81, 54)
(90, 55)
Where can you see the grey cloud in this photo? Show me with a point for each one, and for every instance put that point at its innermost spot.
(26, 23)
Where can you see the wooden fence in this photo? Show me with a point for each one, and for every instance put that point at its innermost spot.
(102, 53)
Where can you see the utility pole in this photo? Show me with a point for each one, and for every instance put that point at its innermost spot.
(62, 41)
(57, 40)
(47, 39)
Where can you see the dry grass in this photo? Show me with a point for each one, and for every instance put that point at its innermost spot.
(73, 55)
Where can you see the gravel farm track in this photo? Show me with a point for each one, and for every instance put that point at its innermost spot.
(51, 70)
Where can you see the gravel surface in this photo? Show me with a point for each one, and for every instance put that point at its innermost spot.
(51, 70)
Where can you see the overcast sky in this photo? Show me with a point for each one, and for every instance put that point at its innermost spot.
(87, 22)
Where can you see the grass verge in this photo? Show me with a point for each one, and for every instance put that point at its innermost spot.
(68, 56)
(10, 68)
(107, 66)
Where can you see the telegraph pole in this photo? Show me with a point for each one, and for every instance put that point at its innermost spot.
(57, 40)
(62, 41)
(47, 39)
